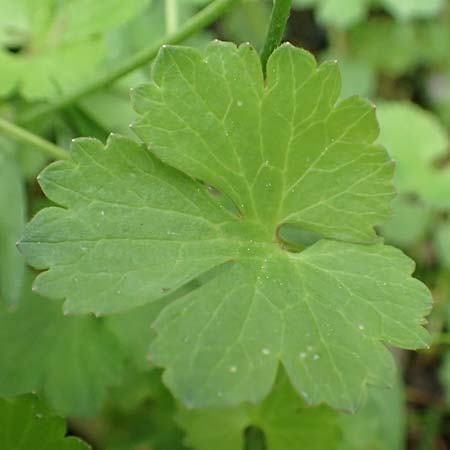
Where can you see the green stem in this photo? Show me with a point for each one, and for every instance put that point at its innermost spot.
(171, 13)
(21, 135)
(201, 20)
(277, 26)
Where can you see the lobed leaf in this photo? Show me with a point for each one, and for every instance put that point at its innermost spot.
(132, 227)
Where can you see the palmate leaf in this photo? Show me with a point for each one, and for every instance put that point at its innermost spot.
(25, 423)
(132, 228)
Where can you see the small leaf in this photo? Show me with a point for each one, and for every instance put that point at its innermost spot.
(25, 423)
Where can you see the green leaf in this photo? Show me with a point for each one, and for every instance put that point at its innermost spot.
(70, 360)
(409, 222)
(411, 44)
(12, 222)
(133, 331)
(344, 14)
(357, 77)
(416, 140)
(140, 414)
(285, 419)
(368, 40)
(379, 425)
(25, 423)
(132, 229)
(288, 424)
(410, 9)
(111, 266)
(51, 45)
(337, 13)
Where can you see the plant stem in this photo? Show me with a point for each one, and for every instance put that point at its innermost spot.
(21, 135)
(201, 20)
(277, 26)
(171, 13)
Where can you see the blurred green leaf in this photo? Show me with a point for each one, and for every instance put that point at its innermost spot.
(357, 76)
(285, 419)
(409, 222)
(338, 13)
(409, 9)
(368, 42)
(70, 360)
(12, 222)
(25, 423)
(416, 140)
(345, 13)
(53, 45)
(411, 44)
(247, 22)
(134, 332)
(140, 416)
(381, 423)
